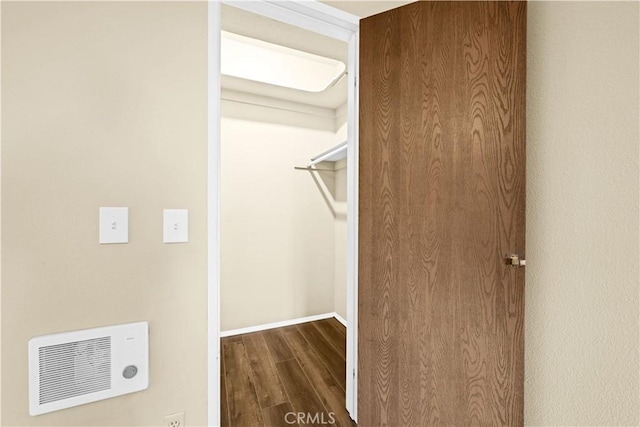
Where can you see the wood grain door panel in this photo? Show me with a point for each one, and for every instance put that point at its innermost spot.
(442, 203)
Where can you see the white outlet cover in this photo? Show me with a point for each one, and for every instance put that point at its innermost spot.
(114, 225)
(176, 226)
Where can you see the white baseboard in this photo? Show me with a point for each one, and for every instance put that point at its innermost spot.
(340, 319)
(283, 323)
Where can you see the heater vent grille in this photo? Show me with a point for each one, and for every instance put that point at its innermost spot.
(74, 369)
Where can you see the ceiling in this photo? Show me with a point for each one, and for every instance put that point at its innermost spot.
(247, 24)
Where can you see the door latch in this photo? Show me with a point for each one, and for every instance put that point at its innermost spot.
(514, 261)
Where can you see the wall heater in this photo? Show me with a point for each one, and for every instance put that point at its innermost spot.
(74, 368)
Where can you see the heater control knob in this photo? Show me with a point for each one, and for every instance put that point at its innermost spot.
(130, 372)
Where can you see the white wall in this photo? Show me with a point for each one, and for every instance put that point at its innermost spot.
(277, 226)
(581, 329)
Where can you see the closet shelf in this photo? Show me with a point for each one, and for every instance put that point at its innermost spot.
(331, 155)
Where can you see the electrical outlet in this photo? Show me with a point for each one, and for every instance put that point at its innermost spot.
(174, 420)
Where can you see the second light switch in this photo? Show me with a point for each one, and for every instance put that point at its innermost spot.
(176, 226)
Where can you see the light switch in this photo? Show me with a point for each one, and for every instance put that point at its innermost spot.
(114, 225)
(176, 226)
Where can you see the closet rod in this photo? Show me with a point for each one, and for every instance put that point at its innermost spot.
(328, 154)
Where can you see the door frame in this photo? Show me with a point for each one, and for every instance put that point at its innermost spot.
(326, 20)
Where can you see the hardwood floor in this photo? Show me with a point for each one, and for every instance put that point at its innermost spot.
(271, 378)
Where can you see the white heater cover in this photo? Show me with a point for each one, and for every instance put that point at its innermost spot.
(73, 368)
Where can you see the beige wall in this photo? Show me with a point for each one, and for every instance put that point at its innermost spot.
(581, 329)
(104, 104)
(277, 224)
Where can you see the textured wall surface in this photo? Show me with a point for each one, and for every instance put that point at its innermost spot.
(105, 104)
(582, 214)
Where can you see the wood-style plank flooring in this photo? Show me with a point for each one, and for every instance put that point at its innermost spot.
(271, 378)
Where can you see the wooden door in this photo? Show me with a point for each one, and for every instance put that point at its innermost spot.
(442, 204)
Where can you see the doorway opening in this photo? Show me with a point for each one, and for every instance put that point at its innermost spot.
(283, 219)
(283, 178)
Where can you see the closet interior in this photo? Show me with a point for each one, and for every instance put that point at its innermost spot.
(283, 230)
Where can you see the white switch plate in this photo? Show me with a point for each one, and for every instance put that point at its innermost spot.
(176, 226)
(114, 225)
